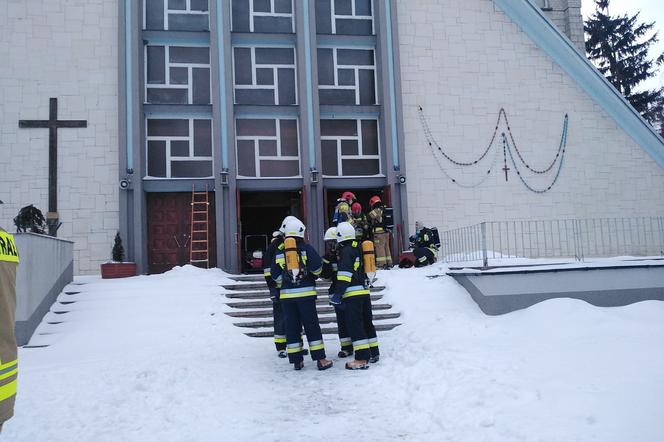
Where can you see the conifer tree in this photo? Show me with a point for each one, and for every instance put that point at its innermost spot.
(618, 45)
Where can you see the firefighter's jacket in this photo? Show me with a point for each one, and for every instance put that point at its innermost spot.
(311, 266)
(361, 226)
(376, 219)
(350, 272)
(8, 351)
(277, 245)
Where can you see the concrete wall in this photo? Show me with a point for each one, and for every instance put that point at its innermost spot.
(46, 266)
(463, 62)
(65, 49)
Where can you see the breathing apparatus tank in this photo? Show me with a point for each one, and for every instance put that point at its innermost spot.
(369, 260)
(292, 257)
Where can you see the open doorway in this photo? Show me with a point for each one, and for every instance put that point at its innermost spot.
(260, 214)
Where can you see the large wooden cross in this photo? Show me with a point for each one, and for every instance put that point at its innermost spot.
(52, 124)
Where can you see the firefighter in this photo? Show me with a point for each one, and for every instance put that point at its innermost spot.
(342, 212)
(353, 297)
(381, 236)
(423, 245)
(276, 246)
(295, 271)
(330, 272)
(8, 350)
(360, 222)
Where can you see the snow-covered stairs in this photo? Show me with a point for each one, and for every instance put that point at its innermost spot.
(249, 300)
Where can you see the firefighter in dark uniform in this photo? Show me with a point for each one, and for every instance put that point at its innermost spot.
(330, 272)
(8, 350)
(424, 248)
(298, 296)
(352, 295)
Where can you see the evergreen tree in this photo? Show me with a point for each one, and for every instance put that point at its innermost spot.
(618, 45)
(118, 251)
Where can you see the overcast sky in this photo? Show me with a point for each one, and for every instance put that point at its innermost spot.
(651, 10)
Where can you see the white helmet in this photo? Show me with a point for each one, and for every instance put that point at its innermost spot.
(282, 229)
(345, 231)
(330, 234)
(294, 227)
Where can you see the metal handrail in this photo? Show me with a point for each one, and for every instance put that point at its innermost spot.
(562, 238)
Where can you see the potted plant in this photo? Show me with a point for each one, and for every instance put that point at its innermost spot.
(117, 268)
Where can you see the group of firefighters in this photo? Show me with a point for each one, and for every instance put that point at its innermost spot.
(355, 247)
(349, 262)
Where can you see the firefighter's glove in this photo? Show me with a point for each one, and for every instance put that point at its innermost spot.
(335, 300)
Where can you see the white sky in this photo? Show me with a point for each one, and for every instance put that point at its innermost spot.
(651, 10)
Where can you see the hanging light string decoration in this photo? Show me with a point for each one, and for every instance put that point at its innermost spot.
(509, 144)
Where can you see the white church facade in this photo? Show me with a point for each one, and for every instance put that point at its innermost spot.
(455, 112)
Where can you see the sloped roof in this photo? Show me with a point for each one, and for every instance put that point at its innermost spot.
(552, 41)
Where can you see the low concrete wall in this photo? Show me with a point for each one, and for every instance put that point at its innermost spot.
(46, 267)
(497, 293)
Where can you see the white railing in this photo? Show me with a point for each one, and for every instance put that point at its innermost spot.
(569, 238)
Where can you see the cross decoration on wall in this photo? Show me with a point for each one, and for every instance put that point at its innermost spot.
(52, 124)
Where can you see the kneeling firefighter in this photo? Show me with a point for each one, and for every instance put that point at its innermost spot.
(295, 272)
(330, 272)
(353, 297)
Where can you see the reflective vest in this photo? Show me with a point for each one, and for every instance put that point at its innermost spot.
(8, 351)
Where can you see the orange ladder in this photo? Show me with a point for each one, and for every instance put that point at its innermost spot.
(199, 251)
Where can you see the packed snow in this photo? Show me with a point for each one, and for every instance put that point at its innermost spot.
(154, 358)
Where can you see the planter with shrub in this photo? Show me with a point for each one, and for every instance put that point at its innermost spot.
(117, 268)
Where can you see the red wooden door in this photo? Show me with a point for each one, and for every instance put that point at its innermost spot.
(169, 230)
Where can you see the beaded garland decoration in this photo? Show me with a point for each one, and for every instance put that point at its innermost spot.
(509, 147)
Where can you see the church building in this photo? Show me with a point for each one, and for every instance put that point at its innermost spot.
(165, 113)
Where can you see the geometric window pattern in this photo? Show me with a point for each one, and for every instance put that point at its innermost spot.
(176, 15)
(179, 148)
(346, 76)
(344, 17)
(267, 16)
(264, 76)
(177, 74)
(267, 147)
(350, 147)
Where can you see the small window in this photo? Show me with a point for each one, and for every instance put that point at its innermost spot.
(265, 16)
(346, 76)
(350, 147)
(179, 148)
(267, 148)
(345, 17)
(177, 74)
(176, 15)
(264, 76)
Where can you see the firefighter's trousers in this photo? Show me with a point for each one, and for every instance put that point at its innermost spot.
(359, 322)
(344, 336)
(278, 318)
(381, 242)
(298, 313)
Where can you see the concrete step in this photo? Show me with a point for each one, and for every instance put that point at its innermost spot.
(263, 286)
(321, 309)
(326, 331)
(321, 320)
(268, 303)
(260, 294)
(248, 278)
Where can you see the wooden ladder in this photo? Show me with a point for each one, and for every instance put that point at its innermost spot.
(199, 251)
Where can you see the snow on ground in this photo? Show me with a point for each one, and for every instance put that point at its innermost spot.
(153, 358)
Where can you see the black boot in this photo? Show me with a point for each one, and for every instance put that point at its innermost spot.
(345, 353)
(322, 367)
(298, 365)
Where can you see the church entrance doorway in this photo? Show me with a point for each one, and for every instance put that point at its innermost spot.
(169, 230)
(260, 214)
